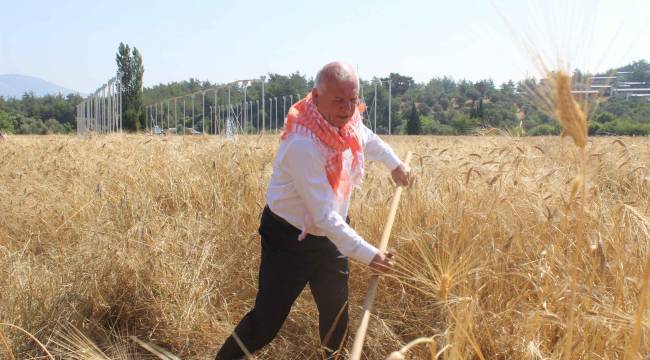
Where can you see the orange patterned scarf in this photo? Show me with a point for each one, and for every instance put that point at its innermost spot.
(304, 118)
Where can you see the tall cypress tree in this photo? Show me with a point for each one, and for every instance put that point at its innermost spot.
(129, 65)
(413, 124)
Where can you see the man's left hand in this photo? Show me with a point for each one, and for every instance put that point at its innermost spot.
(401, 175)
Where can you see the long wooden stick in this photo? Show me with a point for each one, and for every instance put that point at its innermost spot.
(360, 336)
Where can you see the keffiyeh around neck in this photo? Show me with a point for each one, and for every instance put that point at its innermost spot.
(304, 118)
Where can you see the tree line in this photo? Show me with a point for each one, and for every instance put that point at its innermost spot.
(441, 106)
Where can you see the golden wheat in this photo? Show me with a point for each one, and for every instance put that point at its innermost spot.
(156, 237)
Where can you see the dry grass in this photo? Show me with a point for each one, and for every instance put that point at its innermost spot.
(155, 237)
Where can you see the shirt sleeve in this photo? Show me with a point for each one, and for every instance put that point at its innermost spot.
(376, 149)
(307, 170)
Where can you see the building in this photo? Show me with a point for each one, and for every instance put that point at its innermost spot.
(615, 86)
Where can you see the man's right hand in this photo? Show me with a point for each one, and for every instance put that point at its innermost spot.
(383, 262)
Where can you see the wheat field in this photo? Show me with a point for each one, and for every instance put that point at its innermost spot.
(106, 237)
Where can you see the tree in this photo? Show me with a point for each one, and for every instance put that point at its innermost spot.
(413, 124)
(54, 127)
(399, 83)
(6, 123)
(129, 65)
(639, 71)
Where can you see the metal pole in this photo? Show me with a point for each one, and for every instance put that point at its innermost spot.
(270, 114)
(245, 109)
(105, 108)
(109, 125)
(257, 103)
(175, 118)
(112, 106)
(95, 122)
(101, 111)
(183, 115)
(375, 110)
(193, 113)
(389, 107)
(284, 108)
(203, 111)
(263, 117)
(276, 113)
(215, 111)
(121, 111)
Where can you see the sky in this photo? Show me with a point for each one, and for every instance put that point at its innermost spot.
(73, 43)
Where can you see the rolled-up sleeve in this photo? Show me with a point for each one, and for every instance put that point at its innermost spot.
(376, 149)
(307, 170)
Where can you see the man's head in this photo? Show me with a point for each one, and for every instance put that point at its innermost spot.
(336, 92)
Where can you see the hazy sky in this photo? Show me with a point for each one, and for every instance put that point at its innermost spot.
(73, 43)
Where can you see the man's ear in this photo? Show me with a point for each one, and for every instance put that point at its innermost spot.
(314, 95)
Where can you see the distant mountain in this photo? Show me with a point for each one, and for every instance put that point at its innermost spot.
(15, 86)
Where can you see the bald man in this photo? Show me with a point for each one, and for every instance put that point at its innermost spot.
(305, 232)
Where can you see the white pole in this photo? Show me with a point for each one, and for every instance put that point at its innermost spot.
(203, 111)
(284, 108)
(245, 83)
(263, 117)
(270, 114)
(120, 106)
(215, 111)
(390, 95)
(375, 106)
(257, 103)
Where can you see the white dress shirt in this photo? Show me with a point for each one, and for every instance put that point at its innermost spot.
(299, 191)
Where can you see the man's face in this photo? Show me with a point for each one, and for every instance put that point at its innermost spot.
(337, 101)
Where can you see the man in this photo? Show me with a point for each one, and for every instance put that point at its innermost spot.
(305, 237)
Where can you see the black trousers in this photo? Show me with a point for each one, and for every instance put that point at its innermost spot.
(286, 266)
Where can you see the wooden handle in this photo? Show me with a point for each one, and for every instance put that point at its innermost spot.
(360, 335)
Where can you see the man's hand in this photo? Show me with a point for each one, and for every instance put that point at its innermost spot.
(382, 262)
(401, 175)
